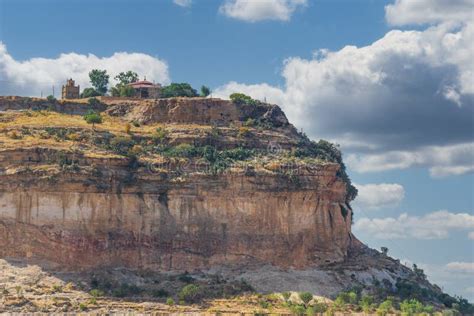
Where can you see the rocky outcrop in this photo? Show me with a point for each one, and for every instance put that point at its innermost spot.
(154, 223)
(200, 111)
(85, 207)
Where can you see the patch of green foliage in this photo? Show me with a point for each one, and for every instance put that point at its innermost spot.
(90, 93)
(191, 293)
(305, 297)
(122, 88)
(99, 79)
(326, 151)
(92, 117)
(205, 91)
(178, 90)
(243, 99)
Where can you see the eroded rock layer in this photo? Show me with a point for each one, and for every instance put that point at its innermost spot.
(65, 201)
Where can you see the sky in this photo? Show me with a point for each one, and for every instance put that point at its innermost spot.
(390, 81)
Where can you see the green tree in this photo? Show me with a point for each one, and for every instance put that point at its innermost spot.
(89, 93)
(205, 91)
(125, 78)
(99, 79)
(51, 98)
(93, 118)
(191, 293)
(178, 90)
(242, 99)
(305, 297)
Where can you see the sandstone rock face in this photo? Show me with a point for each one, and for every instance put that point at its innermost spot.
(202, 222)
(71, 196)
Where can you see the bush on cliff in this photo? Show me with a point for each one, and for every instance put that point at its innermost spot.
(89, 93)
(243, 99)
(326, 151)
(191, 293)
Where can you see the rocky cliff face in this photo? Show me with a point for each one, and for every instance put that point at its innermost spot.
(83, 198)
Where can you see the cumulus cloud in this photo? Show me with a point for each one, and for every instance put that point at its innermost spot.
(405, 95)
(254, 11)
(441, 160)
(404, 12)
(466, 267)
(30, 77)
(376, 196)
(183, 3)
(436, 225)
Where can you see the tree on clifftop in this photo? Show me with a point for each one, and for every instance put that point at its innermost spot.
(205, 91)
(178, 90)
(122, 89)
(99, 79)
(125, 78)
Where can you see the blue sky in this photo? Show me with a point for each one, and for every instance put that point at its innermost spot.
(391, 81)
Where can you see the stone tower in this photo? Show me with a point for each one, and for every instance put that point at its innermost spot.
(70, 91)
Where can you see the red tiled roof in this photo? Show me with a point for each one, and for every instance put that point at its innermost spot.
(141, 83)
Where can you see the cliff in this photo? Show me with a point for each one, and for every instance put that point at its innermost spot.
(159, 197)
(191, 183)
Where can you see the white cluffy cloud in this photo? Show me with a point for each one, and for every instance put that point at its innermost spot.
(376, 196)
(441, 160)
(465, 267)
(259, 10)
(404, 12)
(183, 3)
(436, 225)
(30, 77)
(406, 96)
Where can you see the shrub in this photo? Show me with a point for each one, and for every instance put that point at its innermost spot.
(51, 98)
(205, 91)
(160, 135)
(243, 99)
(89, 93)
(384, 308)
(178, 90)
(352, 296)
(82, 307)
(366, 303)
(191, 293)
(93, 118)
(182, 150)
(169, 301)
(305, 297)
(93, 102)
(298, 310)
(96, 293)
(249, 122)
(320, 307)
(121, 145)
